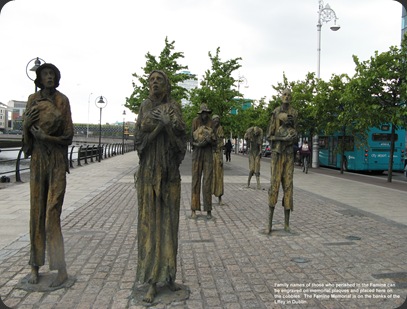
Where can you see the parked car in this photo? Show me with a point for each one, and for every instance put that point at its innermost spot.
(243, 149)
(15, 132)
(266, 151)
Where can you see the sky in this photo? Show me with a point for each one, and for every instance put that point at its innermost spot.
(98, 44)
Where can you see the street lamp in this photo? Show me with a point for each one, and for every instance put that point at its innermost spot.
(124, 118)
(325, 15)
(37, 63)
(3, 3)
(101, 103)
(241, 79)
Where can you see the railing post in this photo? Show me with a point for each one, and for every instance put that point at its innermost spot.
(101, 151)
(70, 157)
(86, 154)
(18, 176)
(92, 153)
(80, 155)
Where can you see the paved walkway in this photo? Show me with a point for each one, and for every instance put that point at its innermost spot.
(347, 248)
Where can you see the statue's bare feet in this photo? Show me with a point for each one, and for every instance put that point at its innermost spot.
(152, 291)
(173, 286)
(34, 275)
(62, 276)
(209, 215)
(287, 229)
(193, 215)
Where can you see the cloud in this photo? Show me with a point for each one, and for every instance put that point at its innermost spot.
(98, 44)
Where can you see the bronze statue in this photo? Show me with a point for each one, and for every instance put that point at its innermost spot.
(254, 139)
(161, 143)
(282, 135)
(48, 130)
(217, 183)
(203, 144)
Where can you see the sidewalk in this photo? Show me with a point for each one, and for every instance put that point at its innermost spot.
(348, 240)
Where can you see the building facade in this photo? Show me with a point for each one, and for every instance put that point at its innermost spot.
(17, 109)
(3, 117)
(188, 84)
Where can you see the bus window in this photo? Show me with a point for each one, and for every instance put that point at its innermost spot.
(383, 137)
(349, 142)
(323, 142)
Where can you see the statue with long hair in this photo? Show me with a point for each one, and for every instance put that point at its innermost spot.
(161, 144)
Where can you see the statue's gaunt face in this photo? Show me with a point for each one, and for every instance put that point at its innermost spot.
(157, 84)
(286, 96)
(48, 78)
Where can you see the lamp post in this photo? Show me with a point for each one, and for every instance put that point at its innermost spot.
(241, 79)
(3, 3)
(325, 15)
(124, 118)
(101, 103)
(37, 62)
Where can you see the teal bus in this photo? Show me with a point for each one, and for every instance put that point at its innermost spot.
(371, 154)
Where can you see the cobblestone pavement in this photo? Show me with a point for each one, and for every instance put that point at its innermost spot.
(334, 252)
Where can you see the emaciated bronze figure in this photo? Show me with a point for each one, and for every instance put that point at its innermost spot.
(161, 144)
(203, 143)
(48, 130)
(254, 139)
(217, 183)
(282, 135)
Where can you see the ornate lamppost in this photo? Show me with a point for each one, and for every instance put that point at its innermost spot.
(37, 62)
(101, 103)
(3, 3)
(325, 15)
(240, 80)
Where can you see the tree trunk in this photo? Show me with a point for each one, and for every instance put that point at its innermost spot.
(390, 170)
(343, 147)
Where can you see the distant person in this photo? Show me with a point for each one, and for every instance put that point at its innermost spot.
(282, 136)
(217, 182)
(254, 138)
(160, 140)
(204, 144)
(228, 150)
(305, 152)
(48, 131)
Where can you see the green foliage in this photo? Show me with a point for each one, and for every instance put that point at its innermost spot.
(167, 62)
(216, 90)
(379, 86)
(379, 89)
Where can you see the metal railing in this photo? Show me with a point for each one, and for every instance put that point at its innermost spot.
(77, 155)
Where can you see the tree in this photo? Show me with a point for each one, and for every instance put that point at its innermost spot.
(334, 110)
(167, 62)
(217, 89)
(379, 86)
